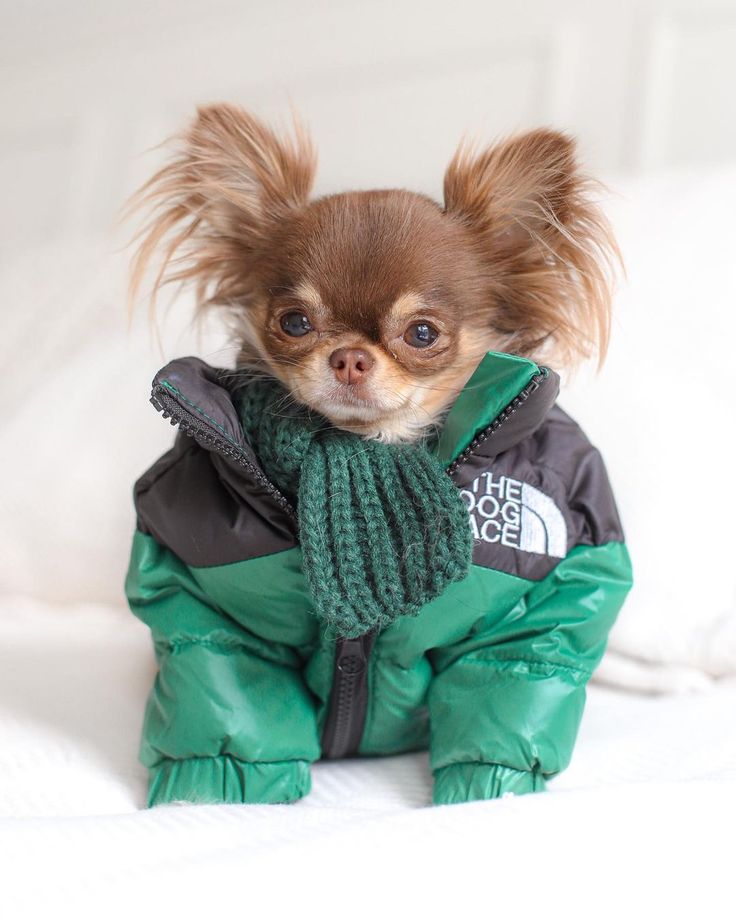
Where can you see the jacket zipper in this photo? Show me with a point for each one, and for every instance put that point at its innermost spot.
(343, 729)
(170, 408)
(345, 722)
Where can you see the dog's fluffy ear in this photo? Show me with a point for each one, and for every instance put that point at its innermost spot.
(547, 248)
(228, 182)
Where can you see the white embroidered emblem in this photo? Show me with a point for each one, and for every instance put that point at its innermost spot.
(513, 513)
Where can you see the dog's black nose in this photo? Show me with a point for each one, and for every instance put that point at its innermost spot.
(351, 365)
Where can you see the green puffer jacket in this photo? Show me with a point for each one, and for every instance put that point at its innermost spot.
(490, 676)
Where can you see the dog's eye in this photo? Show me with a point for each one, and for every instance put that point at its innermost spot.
(296, 323)
(420, 335)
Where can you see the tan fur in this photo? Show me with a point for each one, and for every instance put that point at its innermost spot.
(519, 259)
(407, 305)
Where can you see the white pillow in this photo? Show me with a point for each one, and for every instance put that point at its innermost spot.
(664, 415)
(77, 425)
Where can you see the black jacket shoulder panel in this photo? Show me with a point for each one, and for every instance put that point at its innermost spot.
(206, 511)
(564, 447)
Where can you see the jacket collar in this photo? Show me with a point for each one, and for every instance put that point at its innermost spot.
(507, 396)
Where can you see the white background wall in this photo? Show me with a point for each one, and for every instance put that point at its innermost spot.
(388, 87)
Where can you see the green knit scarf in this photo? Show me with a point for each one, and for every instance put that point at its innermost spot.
(382, 527)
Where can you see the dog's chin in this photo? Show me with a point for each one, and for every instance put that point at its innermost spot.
(389, 429)
(390, 425)
(370, 411)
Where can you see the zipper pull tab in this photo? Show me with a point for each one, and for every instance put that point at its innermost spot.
(352, 658)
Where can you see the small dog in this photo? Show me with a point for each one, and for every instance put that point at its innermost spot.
(315, 594)
(373, 308)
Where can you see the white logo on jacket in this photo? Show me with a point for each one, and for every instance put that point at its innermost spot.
(513, 513)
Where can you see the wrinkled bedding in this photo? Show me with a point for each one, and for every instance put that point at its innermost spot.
(643, 816)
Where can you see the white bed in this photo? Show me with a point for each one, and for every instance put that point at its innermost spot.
(641, 825)
(641, 822)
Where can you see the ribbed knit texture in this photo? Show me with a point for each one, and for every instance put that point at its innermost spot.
(383, 529)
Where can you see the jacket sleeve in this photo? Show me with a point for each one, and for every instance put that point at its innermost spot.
(506, 702)
(229, 718)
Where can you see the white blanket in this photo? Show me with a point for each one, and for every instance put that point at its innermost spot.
(642, 817)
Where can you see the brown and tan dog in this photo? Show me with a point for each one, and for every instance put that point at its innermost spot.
(374, 308)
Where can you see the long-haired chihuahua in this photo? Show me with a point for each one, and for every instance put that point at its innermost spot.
(373, 308)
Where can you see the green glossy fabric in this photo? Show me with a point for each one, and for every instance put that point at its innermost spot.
(225, 779)
(466, 782)
(245, 674)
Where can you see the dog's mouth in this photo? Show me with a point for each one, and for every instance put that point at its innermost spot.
(365, 408)
(364, 402)
(362, 396)
(362, 411)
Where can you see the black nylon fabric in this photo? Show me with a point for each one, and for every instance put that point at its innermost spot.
(207, 510)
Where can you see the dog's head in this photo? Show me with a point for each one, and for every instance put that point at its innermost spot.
(374, 308)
